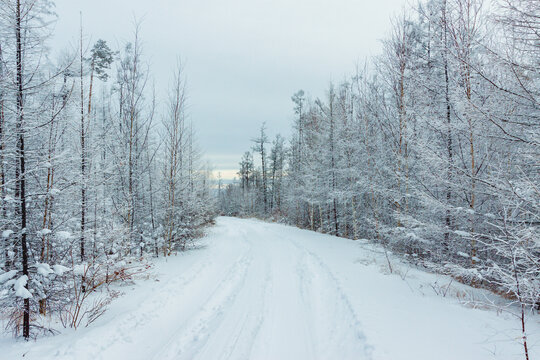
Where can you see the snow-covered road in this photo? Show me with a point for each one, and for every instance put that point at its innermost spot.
(255, 290)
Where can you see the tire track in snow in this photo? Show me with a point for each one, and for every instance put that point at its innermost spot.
(192, 337)
(285, 332)
(337, 328)
(243, 318)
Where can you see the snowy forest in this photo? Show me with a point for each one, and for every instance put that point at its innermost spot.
(95, 174)
(430, 149)
(418, 173)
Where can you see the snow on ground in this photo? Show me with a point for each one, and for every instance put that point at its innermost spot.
(255, 290)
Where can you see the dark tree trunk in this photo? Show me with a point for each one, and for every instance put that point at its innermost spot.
(3, 210)
(449, 148)
(333, 166)
(83, 161)
(20, 169)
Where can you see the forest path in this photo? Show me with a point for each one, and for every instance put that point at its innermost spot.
(273, 300)
(256, 290)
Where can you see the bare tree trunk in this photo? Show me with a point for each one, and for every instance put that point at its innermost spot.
(402, 203)
(449, 147)
(355, 221)
(311, 215)
(464, 32)
(47, 212)
(522, 306)
(333, 162)
(402, 127)
(473, 172)
(20, 171)
(3, 193)
(174, 165)
(151, 197)
(83, 155)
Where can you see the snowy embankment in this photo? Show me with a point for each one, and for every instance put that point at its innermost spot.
(264, 291)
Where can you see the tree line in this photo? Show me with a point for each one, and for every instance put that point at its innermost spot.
(95, 171)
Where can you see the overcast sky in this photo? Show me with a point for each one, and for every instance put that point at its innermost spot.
(243, 58)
